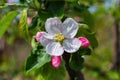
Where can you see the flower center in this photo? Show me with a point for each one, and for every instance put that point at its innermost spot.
(59, 37)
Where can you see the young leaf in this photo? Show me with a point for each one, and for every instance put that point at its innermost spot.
(23, 25)
(49, 73)
(37, 59)
(6, 20)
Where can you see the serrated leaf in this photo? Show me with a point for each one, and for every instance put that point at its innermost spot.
(47, 72)
(6, 21)
(76, 62)
(37, 59)
(23, 25)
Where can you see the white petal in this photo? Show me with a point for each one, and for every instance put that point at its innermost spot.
(53, 25)
(45, 41)
(54, 49)
(69, 28)
(48, 36)
(71, 45)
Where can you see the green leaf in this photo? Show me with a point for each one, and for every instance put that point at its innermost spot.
(34, 22)
(44, 15)
(35, 26)
(83, 12)
(23, 25)
(47, 72)
(56, 8)
(70, 0)
(76, 62)
(84, 51)
(84, 30)
(6, 21)
(92, 39)
(37, 59)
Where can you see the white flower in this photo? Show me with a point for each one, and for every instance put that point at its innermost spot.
(60, 36)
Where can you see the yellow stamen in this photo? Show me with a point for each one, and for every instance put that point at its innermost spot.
(59, 37)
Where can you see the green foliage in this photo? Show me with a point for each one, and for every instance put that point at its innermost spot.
(35, 26)
(113, 75)
(70, 0)
(84, 30)
(53, 9)
(56, 9)
(34, 22)
(37, 59)
(23, 25)
(85, 51)
(2, 2)
(34, 4)
(76, 62)
(47, 72)
(6, 21)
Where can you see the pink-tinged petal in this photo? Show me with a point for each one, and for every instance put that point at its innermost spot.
(44, 41)
(38, 36)
(54, 49)
(71, 45)
(53, 25)
(69, 28)
(56, 61)
(85, 42)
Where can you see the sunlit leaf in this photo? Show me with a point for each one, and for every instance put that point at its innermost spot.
(23, 25)
(6, 21)
(37, 59)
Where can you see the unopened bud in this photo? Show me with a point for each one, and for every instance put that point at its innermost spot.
(85, 42)
(56, 61)
(38, 36)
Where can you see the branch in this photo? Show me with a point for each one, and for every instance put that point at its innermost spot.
(12, 5)
(72, 73)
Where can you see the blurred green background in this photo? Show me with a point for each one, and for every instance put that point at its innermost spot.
(105, 14)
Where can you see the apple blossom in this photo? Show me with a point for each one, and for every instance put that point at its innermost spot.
(60, 37)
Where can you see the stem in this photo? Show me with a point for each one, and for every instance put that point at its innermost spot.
(13, 5)
(72, 73)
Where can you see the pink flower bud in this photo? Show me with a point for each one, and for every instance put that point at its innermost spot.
(77, 19)
(85, 42)
(56, 61)
(29, 20)
(39, 35)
